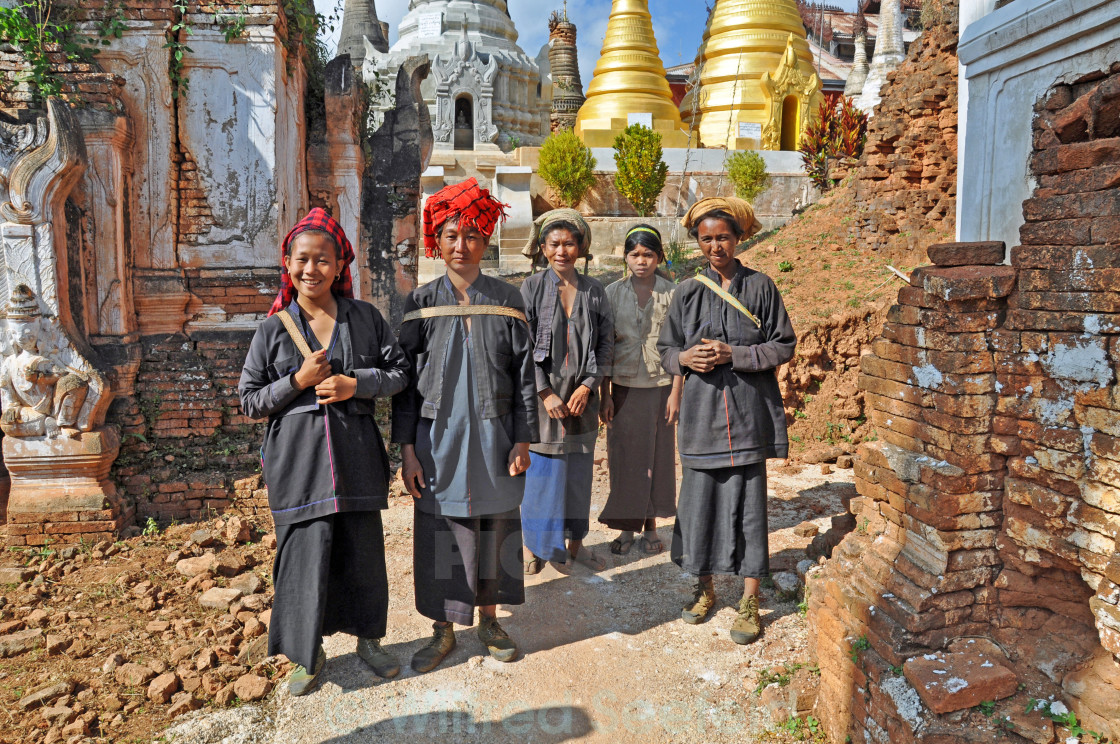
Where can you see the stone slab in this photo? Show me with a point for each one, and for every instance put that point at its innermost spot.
(947, 682)
(985, 253)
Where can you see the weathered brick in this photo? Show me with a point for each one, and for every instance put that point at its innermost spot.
(967, 254)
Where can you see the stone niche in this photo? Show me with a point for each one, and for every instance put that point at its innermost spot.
(53, 392)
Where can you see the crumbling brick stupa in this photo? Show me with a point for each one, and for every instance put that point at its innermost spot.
(984, 572)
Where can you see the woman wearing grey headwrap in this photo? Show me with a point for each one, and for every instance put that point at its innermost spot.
(572, 327)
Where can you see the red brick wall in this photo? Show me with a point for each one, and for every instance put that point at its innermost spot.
(907, 178)
(989, 509)
(184, 440)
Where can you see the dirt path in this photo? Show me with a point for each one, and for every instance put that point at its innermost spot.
(605, 657)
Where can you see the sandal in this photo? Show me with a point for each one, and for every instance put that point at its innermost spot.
(534, 566)
(651, 546)
(589, 559)
(620, 546)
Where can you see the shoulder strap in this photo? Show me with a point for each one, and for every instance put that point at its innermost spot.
(443, 311)
(727, 297)
(293, 331)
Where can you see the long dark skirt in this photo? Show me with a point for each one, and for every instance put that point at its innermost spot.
(329, 577)
(459, 563)
(721, 522)
(557, 501)
(641, 450)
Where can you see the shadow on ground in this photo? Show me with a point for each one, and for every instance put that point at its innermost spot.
(541, 726)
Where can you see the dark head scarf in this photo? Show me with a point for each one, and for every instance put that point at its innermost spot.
(532, 249)
(467, 202)
(320, 221)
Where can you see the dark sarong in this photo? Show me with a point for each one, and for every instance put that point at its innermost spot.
(459, 563)
(329, 577)
(721, 522)
(557, 500)
(641, 450)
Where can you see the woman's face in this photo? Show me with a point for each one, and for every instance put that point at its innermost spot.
(642, 262)
(313, 265)
(717, 242)
(561, 249)
(461, 247)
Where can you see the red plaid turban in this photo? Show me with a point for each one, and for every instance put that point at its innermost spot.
(319, 220)
(472, 205)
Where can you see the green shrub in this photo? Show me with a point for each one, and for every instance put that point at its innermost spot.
(641, 171)
(747, 170)
(567, 166)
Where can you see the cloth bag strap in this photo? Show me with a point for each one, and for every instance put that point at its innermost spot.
(727, 297)
(293, 331)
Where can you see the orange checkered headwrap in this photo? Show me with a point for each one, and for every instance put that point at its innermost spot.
(469, 203)
(319, 220)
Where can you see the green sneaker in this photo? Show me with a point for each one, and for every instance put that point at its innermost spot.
(703, 600)
(383, 663)
(300, 683)
(747, 626)
(497, 641)
(429, 657)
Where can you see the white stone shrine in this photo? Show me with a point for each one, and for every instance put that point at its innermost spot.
(484, 90)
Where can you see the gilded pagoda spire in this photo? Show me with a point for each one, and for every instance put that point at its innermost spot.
(757, 86)
(629, 82)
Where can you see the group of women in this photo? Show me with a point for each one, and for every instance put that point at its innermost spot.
(498, 395)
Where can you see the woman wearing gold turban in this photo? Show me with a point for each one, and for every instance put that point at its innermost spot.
(727, 331)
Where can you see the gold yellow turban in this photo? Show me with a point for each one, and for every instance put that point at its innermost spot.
(738, 208)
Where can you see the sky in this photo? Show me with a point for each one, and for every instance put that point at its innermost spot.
(677, 24)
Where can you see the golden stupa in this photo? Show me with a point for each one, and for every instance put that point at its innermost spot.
(758, 88)
(629, 84)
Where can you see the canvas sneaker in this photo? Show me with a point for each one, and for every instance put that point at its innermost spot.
(442, 643)
(383, 663)
(748, 625)
(703, 600)
(497, 641)
(301, 682)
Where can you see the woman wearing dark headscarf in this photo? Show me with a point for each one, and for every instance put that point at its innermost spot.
(313, 370)
(726, 332)
(643, 401)
(464, 424)
(570, 318)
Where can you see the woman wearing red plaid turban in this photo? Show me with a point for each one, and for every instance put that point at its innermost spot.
(314, 368)
(464, 424)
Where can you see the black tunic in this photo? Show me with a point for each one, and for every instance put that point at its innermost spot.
(732, 415)
(320, 460)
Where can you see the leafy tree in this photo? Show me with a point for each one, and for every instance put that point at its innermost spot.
(567, 166)
(747, 170)
(641, 170)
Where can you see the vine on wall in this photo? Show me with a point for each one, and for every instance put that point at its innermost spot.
(45, 32)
